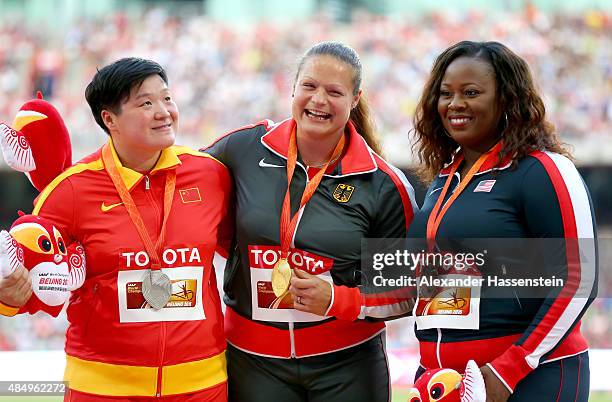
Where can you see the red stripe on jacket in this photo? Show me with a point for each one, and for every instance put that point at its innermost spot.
(512, 366)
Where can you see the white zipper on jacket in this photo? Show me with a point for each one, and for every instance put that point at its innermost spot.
(438, 347)
(292, 339)
(147, 183)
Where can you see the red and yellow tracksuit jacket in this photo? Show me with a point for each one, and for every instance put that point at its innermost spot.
(116, 346)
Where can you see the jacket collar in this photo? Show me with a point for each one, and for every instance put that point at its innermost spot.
(167, 160)
(490, 164)
(356, 159)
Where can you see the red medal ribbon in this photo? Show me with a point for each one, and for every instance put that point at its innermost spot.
(288, 224)
(154, 251)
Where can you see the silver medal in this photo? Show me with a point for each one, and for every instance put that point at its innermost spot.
(156, 288)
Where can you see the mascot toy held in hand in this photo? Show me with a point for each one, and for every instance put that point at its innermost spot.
(55, 269)
(38, 144)
(447, 385)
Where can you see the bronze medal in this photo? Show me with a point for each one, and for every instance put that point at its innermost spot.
(156, 288)
(281, 277)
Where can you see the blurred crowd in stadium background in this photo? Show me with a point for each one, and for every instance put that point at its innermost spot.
(224, 76)
(227, 75)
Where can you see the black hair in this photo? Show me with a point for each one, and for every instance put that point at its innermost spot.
(113, 83)
(523, 126)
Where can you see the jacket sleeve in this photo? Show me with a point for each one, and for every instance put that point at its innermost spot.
(230, 147)
(56, 204)
(226, 226)
(219, 149)
(556, 204)
(395, 206)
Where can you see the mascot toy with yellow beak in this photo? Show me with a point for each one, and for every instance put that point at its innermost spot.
(447, 385)
(38, 144)
(55, 269)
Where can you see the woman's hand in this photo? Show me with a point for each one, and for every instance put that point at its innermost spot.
(16, 289)
(496, 390)
(310, 293)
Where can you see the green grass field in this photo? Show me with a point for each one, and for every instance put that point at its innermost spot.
(398, 396)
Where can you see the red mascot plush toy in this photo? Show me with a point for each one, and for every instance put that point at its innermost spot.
(55, 269)
(38, 144)
(447, 385)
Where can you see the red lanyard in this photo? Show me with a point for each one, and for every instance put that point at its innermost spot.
(433, 223)
(153, 250)
(288, 224)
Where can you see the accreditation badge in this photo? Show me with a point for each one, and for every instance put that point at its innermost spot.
(266, 304)
(448, 298)
(184, 303)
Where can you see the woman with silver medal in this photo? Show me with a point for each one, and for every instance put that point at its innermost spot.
(147, 322)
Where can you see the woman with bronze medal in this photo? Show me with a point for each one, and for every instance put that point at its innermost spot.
(147, 322)
(498, 172)
(308, 190)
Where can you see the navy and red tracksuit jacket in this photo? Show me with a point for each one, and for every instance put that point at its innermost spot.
(539, 196)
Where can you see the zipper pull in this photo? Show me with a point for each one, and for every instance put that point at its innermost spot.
(147, 183)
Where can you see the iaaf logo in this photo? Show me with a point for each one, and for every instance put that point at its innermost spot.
(170, 256)
(264, 257)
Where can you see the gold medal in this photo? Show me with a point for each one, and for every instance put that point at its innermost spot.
(156, 288)
(281, 273)
(281, 277)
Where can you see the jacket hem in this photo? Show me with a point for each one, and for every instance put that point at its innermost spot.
(99, 378)
(264, 340)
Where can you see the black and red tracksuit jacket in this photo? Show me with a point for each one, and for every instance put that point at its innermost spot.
(360, 196)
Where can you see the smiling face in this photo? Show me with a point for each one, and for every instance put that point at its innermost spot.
(146, 122)
(468, 104)
(323, 96)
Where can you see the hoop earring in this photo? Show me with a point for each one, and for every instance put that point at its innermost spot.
(505, 126)
(446, 133)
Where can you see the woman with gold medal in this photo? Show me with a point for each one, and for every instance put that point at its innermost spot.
(307, 191)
